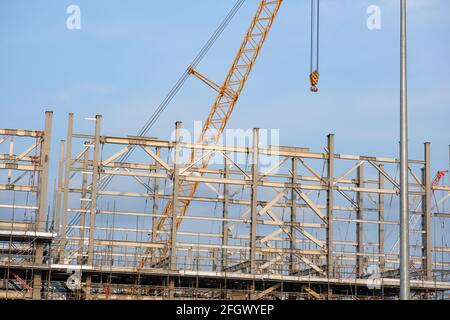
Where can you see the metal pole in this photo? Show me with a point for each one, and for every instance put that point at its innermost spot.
(404, 210)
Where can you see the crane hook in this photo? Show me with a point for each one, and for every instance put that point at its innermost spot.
(314, 79)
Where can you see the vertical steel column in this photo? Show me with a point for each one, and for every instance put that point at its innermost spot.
(42, 203)
(427, 245)
(59, 188)
(254, 201)
(381, 219)
(174, 213)
(293, 215)
(330, 203)
(94, 189)
(11, 154)
(359, 224)
(225, 230)
(68, 164)
(43, 176)
(84, 186)
(155, 197)
(176, 184)
(404, 203)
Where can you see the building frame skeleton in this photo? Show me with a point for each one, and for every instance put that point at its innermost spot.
(312, 225)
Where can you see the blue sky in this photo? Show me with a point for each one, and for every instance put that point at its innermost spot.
(128, 54)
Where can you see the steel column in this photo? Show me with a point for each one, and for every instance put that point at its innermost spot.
(359, 224)
(155, 197)
(293, 231)
(84, 206)
(381, 228)
(174, 213)
(254, 201)
(42, 203)
(68, 163)
(94, 189)
(330, 203)
(59, 187)
(43, 177)
(426, 218)
(226, 203)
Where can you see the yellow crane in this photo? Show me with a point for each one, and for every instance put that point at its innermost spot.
(227, 96)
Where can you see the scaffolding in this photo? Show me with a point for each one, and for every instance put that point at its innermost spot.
(266, 222)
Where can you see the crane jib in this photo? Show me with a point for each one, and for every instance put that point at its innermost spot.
(223, 105)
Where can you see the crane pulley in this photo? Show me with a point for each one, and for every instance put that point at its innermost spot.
(314, 75)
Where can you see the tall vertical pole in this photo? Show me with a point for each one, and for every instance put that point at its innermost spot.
(404, 209)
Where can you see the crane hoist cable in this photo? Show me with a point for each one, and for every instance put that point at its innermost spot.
(314, 75)
(179, 84)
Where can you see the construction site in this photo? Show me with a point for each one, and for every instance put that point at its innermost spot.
(136, 217)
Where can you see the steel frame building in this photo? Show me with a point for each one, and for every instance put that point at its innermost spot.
(267, 222)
